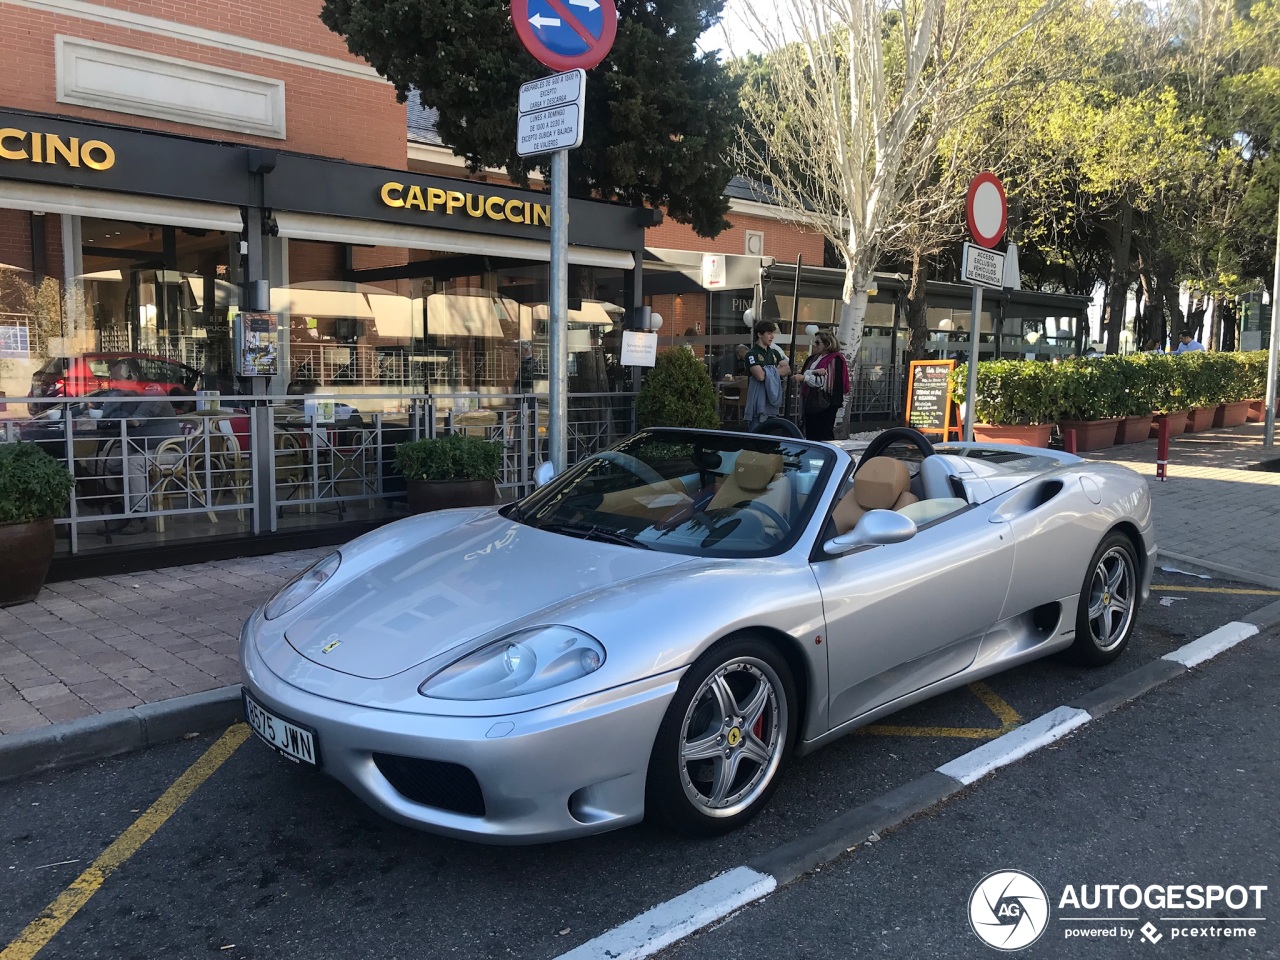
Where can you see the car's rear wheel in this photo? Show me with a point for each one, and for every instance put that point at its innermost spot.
(1108, 602)
(724, 741)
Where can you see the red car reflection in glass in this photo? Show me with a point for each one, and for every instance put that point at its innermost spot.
(78, 376)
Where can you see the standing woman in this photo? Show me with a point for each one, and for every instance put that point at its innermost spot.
(824, 385)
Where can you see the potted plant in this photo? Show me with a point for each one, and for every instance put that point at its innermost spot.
(1016, 401)
(1139, 377)
(1203, 389)
(33, 490)
(1169, 378)
(1234, 398)
(1092, 391)
(677, 392)
(449, 471)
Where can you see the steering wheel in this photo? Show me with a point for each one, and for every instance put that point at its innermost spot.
(637, 468)
(889, 437)
(768, 511)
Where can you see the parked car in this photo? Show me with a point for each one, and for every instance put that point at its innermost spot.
(90, 372)
(659, 629)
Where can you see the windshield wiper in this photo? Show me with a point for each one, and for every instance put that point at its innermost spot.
(593, 533)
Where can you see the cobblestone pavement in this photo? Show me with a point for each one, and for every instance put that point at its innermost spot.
(104, 643)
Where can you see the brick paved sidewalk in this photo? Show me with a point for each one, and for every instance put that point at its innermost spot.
(1214, 511)
(103, 643)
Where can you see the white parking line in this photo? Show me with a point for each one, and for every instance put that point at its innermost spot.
(668, 922)
(1212, 644)
(1015, 744)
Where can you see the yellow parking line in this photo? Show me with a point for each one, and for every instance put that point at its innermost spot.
(55, 916)
(1259, 591)
(1007, 716)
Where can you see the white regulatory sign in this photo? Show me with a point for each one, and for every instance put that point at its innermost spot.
(559, 128)
(639, 349)
(983, 266)
(553, 91)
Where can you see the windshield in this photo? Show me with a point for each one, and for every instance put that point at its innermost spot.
(700, 494)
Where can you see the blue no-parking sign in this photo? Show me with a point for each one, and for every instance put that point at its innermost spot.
(566, 34)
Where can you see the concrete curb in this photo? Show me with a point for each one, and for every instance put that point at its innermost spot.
(63, 745)
(831, 840)
(1192, 565)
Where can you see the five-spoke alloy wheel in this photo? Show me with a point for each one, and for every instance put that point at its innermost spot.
(1108, 602)
(725, 738)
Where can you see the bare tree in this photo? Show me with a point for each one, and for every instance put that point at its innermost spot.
(859, 100)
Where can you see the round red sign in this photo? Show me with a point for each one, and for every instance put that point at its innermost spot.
(566, 34)
(986, 209)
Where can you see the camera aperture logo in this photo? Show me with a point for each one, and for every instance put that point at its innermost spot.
(1009, 910)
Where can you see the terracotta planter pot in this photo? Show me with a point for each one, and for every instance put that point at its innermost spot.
(1231, 414)
(1257, 411)
(1093, 434)
(1200, 418)
(1177, 423)
(428, 495)
(1134, 429)
(26, 550)
(1023, 435)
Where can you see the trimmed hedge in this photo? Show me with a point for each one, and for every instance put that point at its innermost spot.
(1035, 391)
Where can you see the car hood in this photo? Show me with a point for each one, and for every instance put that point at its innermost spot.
(425, 599)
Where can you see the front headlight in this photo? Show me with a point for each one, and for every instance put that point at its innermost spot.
(524, 662)
(302, 586)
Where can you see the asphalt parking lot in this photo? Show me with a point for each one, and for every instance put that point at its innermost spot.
(248, 856)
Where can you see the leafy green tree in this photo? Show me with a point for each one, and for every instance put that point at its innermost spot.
(659, 120)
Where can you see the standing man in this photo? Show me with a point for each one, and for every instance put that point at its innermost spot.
(1187, 343)
(766, 366)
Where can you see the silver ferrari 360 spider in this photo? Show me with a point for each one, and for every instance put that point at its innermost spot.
(658, 629)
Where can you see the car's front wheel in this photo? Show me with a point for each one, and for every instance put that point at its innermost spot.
(725, 739)
(1108, 602)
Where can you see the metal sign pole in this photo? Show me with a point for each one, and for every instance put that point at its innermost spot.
(971, 392)
(557, 300)
(1269, 435)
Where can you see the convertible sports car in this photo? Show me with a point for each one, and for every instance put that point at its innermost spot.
(658, 629)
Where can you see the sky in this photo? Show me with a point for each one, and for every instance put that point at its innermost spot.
(730, 34)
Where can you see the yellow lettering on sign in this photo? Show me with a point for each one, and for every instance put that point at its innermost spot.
(9, 133)
(518, 215)
(51, 148)
(106, 159)
(479, 210)
(435, 197)
(490, 204)
(391, 194)
(541, 215)
(55, 147)
(455, 200)
(414, 198)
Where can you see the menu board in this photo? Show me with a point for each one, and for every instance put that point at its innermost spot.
(929, 396)
(259, 343)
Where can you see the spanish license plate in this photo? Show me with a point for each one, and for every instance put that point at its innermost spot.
(295, 742)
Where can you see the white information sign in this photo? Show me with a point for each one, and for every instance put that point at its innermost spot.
(639, 349)
(551, 113)
(983, 266)
(553, 91)
(547, 131)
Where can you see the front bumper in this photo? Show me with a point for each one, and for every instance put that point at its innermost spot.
(562, 771)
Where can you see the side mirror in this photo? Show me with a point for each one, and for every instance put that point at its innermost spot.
(543, 473)
(876, 528)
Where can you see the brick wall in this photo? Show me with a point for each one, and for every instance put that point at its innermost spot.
(15, 240)
(327, 114)
(782, 241)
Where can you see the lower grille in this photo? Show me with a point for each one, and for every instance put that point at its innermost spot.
(449, 786)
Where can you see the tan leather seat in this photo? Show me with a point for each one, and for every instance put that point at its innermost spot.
(753, 479)
(880, 484)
